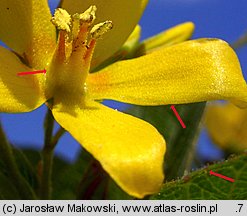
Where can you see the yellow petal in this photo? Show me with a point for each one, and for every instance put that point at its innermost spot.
(18, 93)
(124, 14)
(227, 125)
(193, 71)
(174, 35)
(127, 51)
(26, 28)
(129, 149)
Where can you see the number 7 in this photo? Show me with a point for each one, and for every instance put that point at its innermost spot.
(240, 207)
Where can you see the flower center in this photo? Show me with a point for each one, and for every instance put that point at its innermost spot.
(72, 58)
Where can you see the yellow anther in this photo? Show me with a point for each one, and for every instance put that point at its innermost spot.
(89, 14)
(100, 29)
(62, 20)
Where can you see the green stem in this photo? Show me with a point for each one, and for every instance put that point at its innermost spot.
(24, 189)
(47, 156)
(57, 136)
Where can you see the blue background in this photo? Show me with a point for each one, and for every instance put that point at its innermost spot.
(225, 19)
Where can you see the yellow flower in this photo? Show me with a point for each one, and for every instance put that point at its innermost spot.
(227, 125)
(129, 149)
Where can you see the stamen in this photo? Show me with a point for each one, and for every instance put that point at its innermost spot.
(85, 19)
(62, 20)
(89, 53)
(80, 25)
(71, 62)
(89, 15)
(100, 29)
(81, 38)
(61, 49)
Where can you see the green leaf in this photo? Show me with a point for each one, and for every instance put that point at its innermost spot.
(25, 166)
(7, 189)
(180, 141)
(201, 185)
(85, 179)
